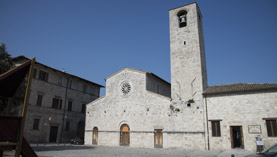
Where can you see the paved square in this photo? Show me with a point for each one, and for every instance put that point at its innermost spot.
(101, 151)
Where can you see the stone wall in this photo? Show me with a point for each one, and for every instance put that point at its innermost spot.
(143, 111)
(187, 52)
(49, 116)
(157, 85)
(241, 110)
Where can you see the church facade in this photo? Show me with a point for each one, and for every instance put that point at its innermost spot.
(142, 110)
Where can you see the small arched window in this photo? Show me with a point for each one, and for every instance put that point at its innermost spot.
(182, 17)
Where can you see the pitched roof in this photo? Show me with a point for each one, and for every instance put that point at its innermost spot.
(11, 80)
(25, 58)
(137, 70)
(239, 88)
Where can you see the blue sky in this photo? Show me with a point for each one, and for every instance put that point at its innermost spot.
(95, 38)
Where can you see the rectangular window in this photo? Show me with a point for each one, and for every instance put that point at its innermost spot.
(216, 128)
(34, 73)
(43, 76)
(271, 128)
(72, 85)
(158, 89)
(36, 124)
(67, 126)
(60, 81)
(57, 103)
(85, 88)
(39, 100)
(69, 107)
(83, 108)
(91, 91)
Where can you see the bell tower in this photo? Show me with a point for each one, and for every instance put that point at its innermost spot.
(187, 55)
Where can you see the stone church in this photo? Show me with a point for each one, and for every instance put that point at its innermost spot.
(142, 110)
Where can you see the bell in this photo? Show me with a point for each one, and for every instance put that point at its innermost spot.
(182, 19)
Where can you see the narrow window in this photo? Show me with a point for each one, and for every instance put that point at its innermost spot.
(39, 100)
(69, 84)
(36, 124)
(35, 73)
(72, 85)
(85, 89)
(271, 128)
(216, 128)
(91, 90)
(67, 126)
(182, 17)
(69, 107)
(60, 81)
(83, 108)
(57, 103)
(158, 89)
(43, 76)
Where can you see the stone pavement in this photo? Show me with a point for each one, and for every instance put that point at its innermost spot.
(104, 151)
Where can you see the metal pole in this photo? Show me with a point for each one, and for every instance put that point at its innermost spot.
(207, 121)
(65, 97)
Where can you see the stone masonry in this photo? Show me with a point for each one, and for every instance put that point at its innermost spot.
(142, 110)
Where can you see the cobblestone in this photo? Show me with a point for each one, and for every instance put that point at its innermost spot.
(104, 151)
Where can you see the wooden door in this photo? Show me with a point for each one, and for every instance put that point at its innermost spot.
(242, 139)
(158, 138)
(124, 135)
(236, 136)
(53, 134)
(95, 136)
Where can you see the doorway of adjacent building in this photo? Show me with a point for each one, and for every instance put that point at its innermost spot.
(158, 138)
(53, 134)
(81, 130)
(124, 135)
(95, 136)
(236, 137)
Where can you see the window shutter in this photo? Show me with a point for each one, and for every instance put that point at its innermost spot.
(269, 128)
(46, 77)
(274, 128)
(213, 129)
(218, 129)
(60, 103)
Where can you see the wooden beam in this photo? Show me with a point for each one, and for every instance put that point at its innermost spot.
(24, 108)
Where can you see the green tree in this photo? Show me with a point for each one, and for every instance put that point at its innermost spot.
(6, 62)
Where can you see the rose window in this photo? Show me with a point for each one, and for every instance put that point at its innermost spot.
(125, 88)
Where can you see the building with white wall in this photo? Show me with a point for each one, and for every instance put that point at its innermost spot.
(142, 110)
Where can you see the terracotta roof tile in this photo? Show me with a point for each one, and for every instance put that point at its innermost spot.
(239, 87)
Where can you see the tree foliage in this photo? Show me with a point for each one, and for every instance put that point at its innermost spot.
(6, 64)
(5, 59)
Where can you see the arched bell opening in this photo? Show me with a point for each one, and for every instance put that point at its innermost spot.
(182, 17)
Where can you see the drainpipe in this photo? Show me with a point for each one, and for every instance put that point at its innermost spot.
(65, 98)
(207, 121)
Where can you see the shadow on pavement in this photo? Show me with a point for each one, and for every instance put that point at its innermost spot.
(59, 148)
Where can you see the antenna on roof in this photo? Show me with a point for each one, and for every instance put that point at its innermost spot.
(63, 70)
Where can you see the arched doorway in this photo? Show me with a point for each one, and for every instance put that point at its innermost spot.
(95, 136)
(124, 135)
